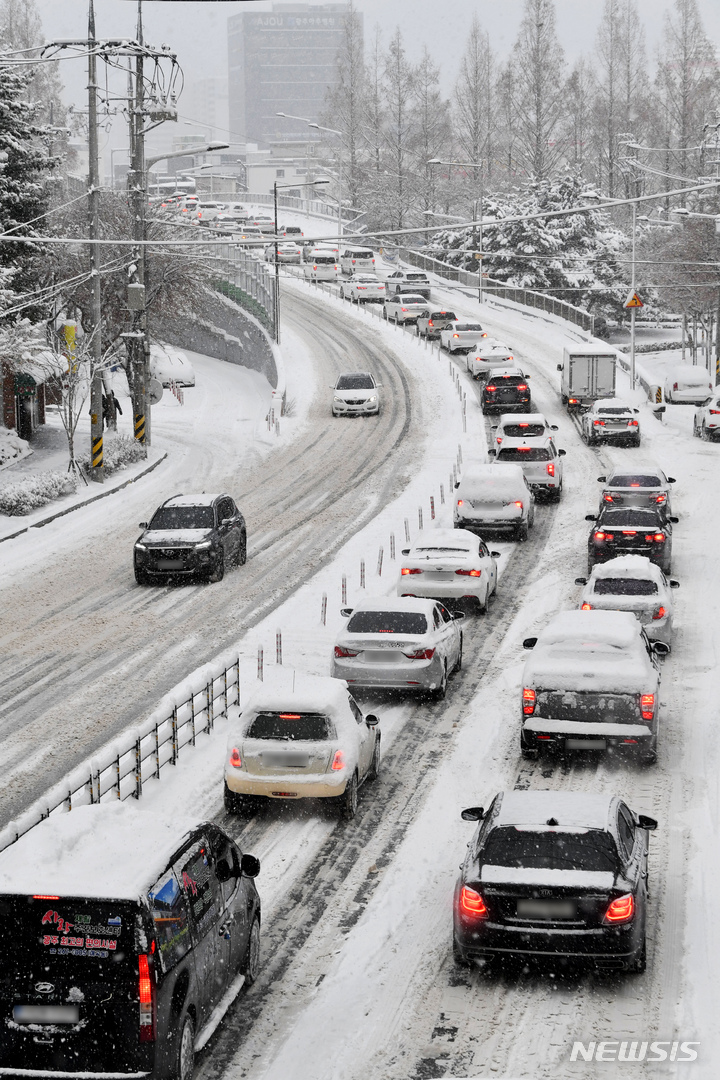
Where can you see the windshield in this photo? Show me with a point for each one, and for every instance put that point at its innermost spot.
(441, 551)
(183, 517)
(524, 453)
(508, 380)
(354, 382)
(324, 260)
(522, 431)
(294, 727)
(625, 587)
(521, 848)
(616, 519)
(635, 480)
(387, 622)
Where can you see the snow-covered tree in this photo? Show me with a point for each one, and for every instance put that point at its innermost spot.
(475, 114)
(400, 130)
(345, 101)
(433, 128)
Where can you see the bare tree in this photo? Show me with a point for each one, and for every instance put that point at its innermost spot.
(475, 99)
(433, 126)
(537, 89)
(345, 101)
(400, 129)
(579, 91)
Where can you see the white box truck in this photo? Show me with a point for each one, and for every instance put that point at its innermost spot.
(588, 374)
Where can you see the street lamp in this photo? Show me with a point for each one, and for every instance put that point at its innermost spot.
(279, 187)
(333, 131)
(477, 211)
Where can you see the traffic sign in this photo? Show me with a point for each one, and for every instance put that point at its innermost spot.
(154, 391)
(633, 301)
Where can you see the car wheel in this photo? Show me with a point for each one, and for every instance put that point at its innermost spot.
(251, 967)
(141, 577)
(185, 1060)
(219, 572)
(557, 492)
(696, 429)
(639, 960)
(482, 605)
(232, 801)
(528, 754)
(521, 532)
(349, 799)
(459, 956)
(242, 551)
(439, 693)
(458, 662)
(372, 773)
(704, 432)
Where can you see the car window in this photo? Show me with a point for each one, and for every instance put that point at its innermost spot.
(437, 621)
(635, 480)
(200, 886)
(625, 587)
(522, 430)
(387, 622)
(643, 519)
(590, 849)
(223, 849)
(183, 517)
(170, 916)
(359, 718)
(523, 453)
(446, 616)
(291, 727)
(225, 509)
(626, 829)
(354, 382)
(484, 551)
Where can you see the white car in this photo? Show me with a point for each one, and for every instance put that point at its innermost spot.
(356, 260)
(450, 565)
(300, 738)
(249, 236)
(610, 420)
(706, 422)
(170, 365)
(363, 289)
(403, 644)
(687, 384)
(356, 393)
(287, 252)
(645, 485)
(225, 221)
(494, 497)
(205, 212)
(403, 309)
(408, 281)
(529, 426)
(321, 265)
(539, 459)
(462, 336)
(489, 354)
(632, 583)
(264, 223)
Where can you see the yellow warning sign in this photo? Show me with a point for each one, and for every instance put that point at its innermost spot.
(633, 300)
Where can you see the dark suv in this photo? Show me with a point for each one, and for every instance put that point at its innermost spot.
(631, 531)
(131, 936)
(191, 536)
(506, 390)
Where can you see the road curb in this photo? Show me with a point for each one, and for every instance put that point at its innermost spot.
(86, 502)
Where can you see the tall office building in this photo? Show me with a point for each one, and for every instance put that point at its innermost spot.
(282, 61)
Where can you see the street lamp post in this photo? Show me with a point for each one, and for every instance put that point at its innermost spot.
(276, 188)
(477, 212)
(333, 131)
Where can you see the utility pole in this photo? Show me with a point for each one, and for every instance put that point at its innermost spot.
(96, 387)
(139, 346)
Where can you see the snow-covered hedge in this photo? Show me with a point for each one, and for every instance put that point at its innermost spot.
(118, 452)
(26, 495)
(12, 447)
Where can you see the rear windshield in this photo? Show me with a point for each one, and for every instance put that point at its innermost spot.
(449, 316)
(441, 551)
(508, 380)
(635, 480)
(613, 412)
(354, 382)
(324, 260)
(588, 706)
(521, 848)
(468, 326)
(387, 622)
(416, 277)
(295, 727)
(522, 431)
(407, 299)
(524, 453)
(183, 517)
(359, 254)
(643, 519)
(625, 587)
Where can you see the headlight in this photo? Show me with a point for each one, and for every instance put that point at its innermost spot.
(341, 400)
(204, 546)
(140, 547)
(371, 400)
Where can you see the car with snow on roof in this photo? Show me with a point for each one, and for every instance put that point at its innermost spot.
(706, 421)
(631, 530)
(592, 683)
(494, 498)
(453, 565)
(408, 281)
(191, 536)
(507, 390)
(356, 393)
(406, 644)
(403, 309)
(539, 459)
(320, 264)
(133, 933)
(556, 877)
(363, 289)
(687, 384)
(432, 321)
(300, 737)
(288, 252)
(530, 426)
(612, 421)
(462, 336)
(643, 485)
(489, 355)
(632, 583)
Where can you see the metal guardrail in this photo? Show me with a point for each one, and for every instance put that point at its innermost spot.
(121, 768)
(250, 282)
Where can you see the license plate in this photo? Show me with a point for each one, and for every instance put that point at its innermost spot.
(170, 564)
(382, 656)
(585, 744)
(46, 1014)
(285, 761)
(546, 909)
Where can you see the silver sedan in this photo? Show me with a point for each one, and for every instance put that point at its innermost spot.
(632, 583)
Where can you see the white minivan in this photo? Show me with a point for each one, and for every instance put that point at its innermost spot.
(357, 260)
(321, 266)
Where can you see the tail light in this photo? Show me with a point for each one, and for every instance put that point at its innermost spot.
(551, 468)
(493, 388)
(314, 267)
(485, 335)
(647, 706)
(522, 386)
(420, 654)
(456, 335)
(528, 699)
(608, 498)
(403, 309)
(499, 438)
(632, 423)
(472, 903)
(430, 322)
(518, 503)
(363, 288)
(659, 538)
(460, 502)
(659, 613)
(235, 759)
(586, 607)
(599, 423)
(629, 532)
(661, 498)
(338, 761)
(675, 386)
(714, 412)
(340, 652)
(621, 909)
(469, 573)
(573, 401)
(524, 449)
(511, 357)
(147, 1000)
(410, 569)
(525, 424)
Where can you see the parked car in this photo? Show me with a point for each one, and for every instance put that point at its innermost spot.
(451, 565)
(321, 265)
(687, 384)
(539, 459)
(305, 738)
(489, 355)
(706, 422)
(356, 393)
(132, 935)
(632, 583)
(461, 336)
(645, 485)
(629, 530)
(191, 536)
(430, 323)
(410, 281)
(170, 365)
(354, 260)
(287, 252)
(401, 644)
(530, 426)
(494, 498)
(507, 390)
(592, 683)
(610, 420)
(554, 876)
(363, 289)
(403, 309)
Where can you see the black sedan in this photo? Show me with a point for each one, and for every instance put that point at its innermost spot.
(191, 536)
(555, 876)
(631, 531)
(506, 390)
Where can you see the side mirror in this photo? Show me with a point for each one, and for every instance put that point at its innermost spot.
(602, 479)
(371, 720)
(143, 525)
(674, 520)
(346, 612)
(473, 813)
(636, 411)
(405, 551)
(674, 584)
(226, 521)
(562, 453)
(496, 554)
(249, 866)
(554, 427)
(645, 822)
(559, 367)
(222, 871)
(529, 643)
(660, 648)
(458, 614)
(492, 453)
(591, 517)
(671, 480)
(581, 581)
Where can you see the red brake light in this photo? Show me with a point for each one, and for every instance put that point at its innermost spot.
(460, 502)
(660, 613)
(661, 498)
(519, 503)
(632, 423)
(659, 538)
(499, 439)
(675, 386)
(235, 759)
(340, 652)
(601, 536)
(608, 498)
(456, 335)
(289, 715)
(522, 386)
(509, 357)
(629, 532)
(469, 573)
(621, 909)
(573, 401)
(403, 309)
(43, 896)
(599, 423)
(491, 387)
(714, 412)
(338, 761)
(528, 698)
(430, 322)
(472, 903)
(420, 654)
(551, 468)
(586, 607)
(145, 994)
(485, 335)
(410, 570)
(524, 424)
(647, 706)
